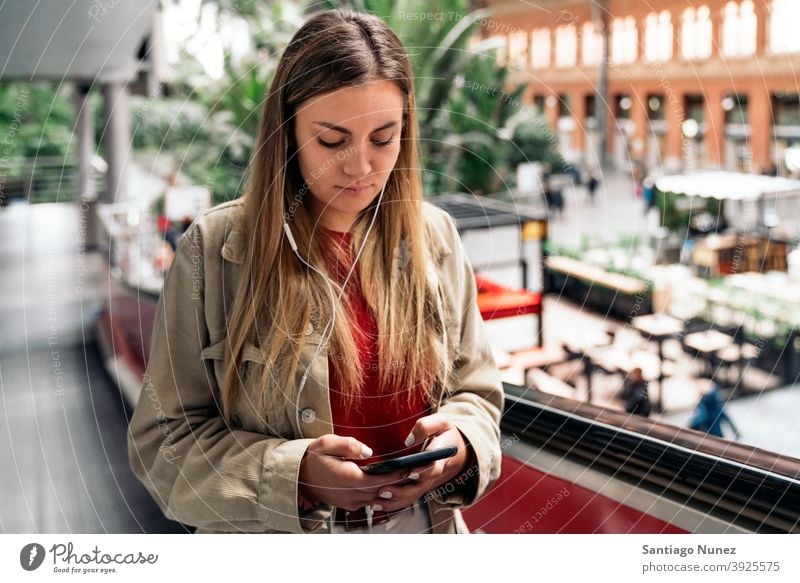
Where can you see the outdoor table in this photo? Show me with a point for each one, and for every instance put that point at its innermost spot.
(740, 354)
(659, 327)
(707, 344)
(605, 358)
(537, 358)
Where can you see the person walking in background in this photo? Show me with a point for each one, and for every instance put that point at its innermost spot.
(592, 183)
(634, 392)
(649, 192)
(553, 199)
(709, 413)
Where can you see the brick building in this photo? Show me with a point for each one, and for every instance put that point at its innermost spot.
(711, 83)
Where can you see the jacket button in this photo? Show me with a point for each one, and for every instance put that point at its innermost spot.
(308, 415)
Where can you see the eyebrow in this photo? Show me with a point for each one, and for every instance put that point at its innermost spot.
(348, 132)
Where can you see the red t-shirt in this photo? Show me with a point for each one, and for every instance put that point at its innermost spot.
(379, 419)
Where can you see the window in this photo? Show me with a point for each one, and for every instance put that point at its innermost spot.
(566, 46)
(591, 45)
(696, 33)
(658, 36)
(540, 48)
(518, 49)
(501, 43)
(739, 29)
(784, 37)
(624, 40)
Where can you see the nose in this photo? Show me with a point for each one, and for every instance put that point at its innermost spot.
(356, 162)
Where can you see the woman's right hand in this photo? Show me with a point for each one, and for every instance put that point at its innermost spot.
(327, 474)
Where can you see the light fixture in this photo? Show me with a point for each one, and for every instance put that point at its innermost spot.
(728, 103)
(625, 103)
(654, 103)
(690, 128)
(792, 158)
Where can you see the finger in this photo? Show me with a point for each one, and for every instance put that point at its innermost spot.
(417, 473)
(340, 446)
(396, 498)
(427, 426)
(373, 483)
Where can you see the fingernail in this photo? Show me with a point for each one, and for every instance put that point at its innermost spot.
(365, 451)
(386, 495)
(409, 440)
(377, 507)
(413, 476)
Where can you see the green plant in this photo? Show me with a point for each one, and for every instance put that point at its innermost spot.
(466, 108)
(534, 142)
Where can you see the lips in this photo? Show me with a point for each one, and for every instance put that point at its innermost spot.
(354, 188)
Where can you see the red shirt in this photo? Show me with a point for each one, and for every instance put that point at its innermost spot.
(379, 419)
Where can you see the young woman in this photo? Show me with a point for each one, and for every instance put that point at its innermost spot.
(325, 320)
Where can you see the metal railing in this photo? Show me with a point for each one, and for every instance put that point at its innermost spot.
(47, 179)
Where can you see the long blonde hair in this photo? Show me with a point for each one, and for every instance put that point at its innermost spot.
(274, 305)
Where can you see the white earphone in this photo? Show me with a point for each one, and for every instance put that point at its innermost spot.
(329, 327)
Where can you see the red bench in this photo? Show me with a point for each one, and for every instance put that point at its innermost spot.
(497, 301)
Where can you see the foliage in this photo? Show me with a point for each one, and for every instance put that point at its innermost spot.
(534, 142)
(464, 102)
(36, 120)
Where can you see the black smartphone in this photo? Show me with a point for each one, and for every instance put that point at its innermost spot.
(410, 461)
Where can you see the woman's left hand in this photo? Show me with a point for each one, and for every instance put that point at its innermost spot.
(442, 433)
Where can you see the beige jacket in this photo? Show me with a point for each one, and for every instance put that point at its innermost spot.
(205, 473)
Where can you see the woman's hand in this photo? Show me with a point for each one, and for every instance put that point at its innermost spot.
(327, 474)
(426, 478)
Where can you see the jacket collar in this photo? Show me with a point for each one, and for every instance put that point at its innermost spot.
(234, 248)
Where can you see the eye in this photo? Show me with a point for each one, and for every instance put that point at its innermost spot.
(329, 144)
(384, 143)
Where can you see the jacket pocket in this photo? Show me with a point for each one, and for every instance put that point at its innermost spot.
(253, 410)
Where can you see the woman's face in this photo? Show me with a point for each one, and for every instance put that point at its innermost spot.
(348, 142)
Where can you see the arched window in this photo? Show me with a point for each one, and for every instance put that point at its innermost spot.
(739, 29)
(748, 26)
(518, 49)
(784, 37)
(540, 48)
(665, 35)
(624, 40)
(696, 33)
(566, 46)
(591, 45)
(658, 36)
(651, 37)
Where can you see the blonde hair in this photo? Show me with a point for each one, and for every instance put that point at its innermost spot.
(273, 306)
